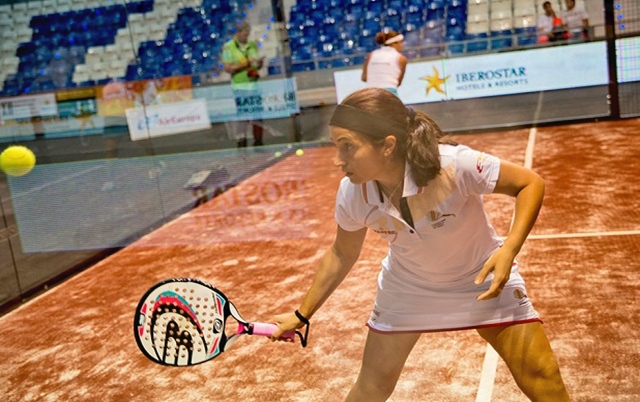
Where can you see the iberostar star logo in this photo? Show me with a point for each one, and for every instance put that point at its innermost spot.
(435, 82)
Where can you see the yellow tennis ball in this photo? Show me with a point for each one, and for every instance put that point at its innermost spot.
(17, 160)
(299, 152)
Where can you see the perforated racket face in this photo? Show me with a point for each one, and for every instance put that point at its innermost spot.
(181, 322)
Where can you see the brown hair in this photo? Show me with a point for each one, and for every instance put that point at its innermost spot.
(243, 26)
(382, 37)
(416, 133)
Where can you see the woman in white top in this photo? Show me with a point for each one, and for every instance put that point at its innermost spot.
(446, 268)
(385, 67)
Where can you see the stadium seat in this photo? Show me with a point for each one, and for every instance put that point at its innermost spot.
(435, 11)
(375, 6)
(525, 30)
(477, 34)
(501, 31)
(414, 15)
(372, 21)
(392, 20)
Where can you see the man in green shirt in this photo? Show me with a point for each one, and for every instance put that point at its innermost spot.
(241, 60)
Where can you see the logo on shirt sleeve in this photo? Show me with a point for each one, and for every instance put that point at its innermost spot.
(480, 162)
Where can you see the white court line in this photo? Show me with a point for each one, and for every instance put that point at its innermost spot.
(490, 365)
(592, 234)
(60, 180)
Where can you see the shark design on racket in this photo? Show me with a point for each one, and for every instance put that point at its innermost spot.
(183, 322)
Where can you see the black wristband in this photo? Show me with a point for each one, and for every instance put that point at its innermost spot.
(302, 318)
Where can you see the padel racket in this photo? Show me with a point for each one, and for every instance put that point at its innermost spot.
(183, 322)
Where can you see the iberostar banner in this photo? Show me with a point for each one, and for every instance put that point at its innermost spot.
(546, 69)
(115, 97)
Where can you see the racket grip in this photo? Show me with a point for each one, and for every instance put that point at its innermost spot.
(267, 329)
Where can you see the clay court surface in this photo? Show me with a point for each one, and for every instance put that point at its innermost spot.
(260, 243)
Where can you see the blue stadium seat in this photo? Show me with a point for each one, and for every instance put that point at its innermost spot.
(392, 19)
(414, 16)
(526, 36)
(372, 23)
(310, 29)
(435, 12)
(457, 10)
(477, 42)
(375, 6)
(433, 31)
(274, 66)
(358, 60)
(334, 63)
(412, 36)
(433, 34)
(367, 40)
(301, 66)
(501, 39)
(395, 4)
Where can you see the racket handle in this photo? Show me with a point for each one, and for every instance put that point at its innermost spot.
(267, 329)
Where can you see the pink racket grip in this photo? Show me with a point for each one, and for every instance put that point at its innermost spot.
(263, 328)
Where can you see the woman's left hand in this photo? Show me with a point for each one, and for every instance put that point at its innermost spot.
(500, 264)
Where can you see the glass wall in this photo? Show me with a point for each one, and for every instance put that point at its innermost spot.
(133, 118)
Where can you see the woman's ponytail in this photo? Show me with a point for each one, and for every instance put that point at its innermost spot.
(423, 135)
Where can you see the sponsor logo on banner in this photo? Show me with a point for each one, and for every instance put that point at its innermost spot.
(26, 107)
(168, 119)
(545, 69)
(435, 82)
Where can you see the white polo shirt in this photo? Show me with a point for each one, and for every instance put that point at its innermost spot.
(452, 236)
(573, 18)
(383, 69)
(426, 281)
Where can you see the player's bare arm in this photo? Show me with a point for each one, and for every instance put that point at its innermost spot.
(403, 68)
(334, 266)
(528, 189)
(364, 68)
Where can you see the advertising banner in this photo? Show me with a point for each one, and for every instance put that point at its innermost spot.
(117, 96)
(167, 119)
(265, 99)
(547, 69)
(28, 106)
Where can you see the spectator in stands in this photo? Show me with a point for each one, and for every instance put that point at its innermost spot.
(241, 60)
(550, 26)
(577, 20)
(385, 67)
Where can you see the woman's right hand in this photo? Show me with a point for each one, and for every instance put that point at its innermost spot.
(286, 323)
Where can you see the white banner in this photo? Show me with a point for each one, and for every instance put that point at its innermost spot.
(167, 119)
(546, 69)
(26, 107)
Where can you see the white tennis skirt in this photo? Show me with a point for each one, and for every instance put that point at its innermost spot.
(406, 307)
